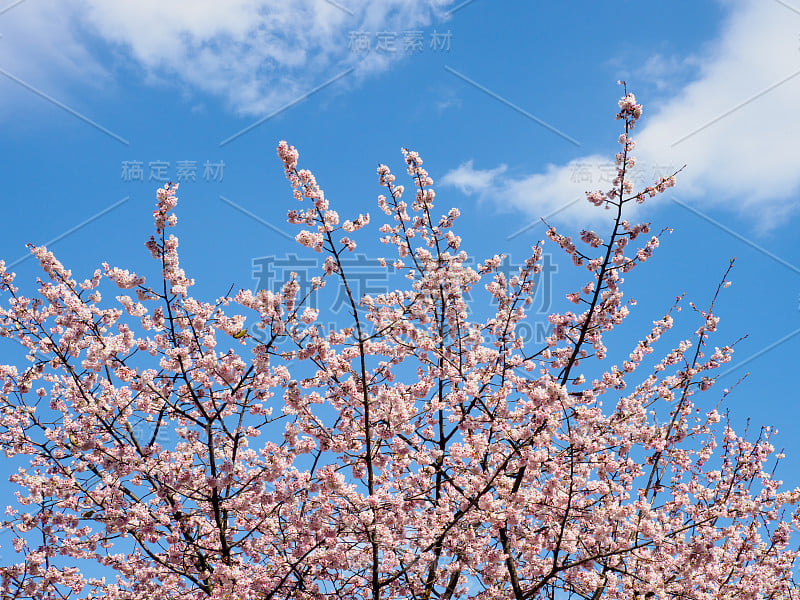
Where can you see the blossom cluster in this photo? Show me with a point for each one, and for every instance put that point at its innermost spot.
(417, 452)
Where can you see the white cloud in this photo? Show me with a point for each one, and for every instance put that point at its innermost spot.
(666, 71)
(742, 135)
(735, 127)
(558, 194)
(472, 181)
(255, 54)
(39, 48)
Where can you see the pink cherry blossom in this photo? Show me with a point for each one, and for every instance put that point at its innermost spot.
(239, 449)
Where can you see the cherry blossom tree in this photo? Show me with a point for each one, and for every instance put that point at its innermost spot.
(417, 452)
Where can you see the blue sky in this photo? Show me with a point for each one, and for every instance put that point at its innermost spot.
(509, 103)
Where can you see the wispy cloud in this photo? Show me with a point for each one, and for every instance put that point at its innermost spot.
(735, 126)
(473, 181)
(550, 193)
(664, 71)
(39, 46)
(255, 54)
